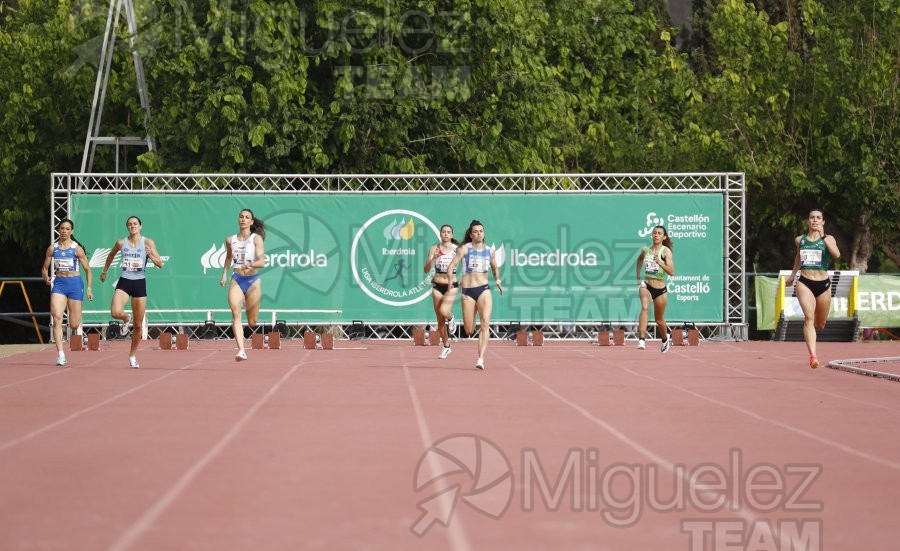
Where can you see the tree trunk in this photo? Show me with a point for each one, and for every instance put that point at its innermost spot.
(891, 253)
(862, 243)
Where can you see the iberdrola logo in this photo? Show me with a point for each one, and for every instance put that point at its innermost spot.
(402, 229)
(388, 254)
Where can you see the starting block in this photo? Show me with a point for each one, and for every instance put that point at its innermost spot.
(77, 342)
(686, 336)
(257, 341)
(325, 341)
(309, 340)
(537, 338)
(165, 340)
(418, 336)
(603, 337)
(611, 337)
(693, 337)
(434, 338)
(272, 341)
(168, 341)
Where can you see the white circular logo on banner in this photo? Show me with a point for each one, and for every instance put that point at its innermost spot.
(388, 254)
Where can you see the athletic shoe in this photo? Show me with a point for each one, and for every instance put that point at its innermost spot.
(451, 326)
(60, 360)
(240, 356)
(479, 364)
(445, 352)
(641, 344)
(813, 362)
(126, 327)
(132, 362)
(665, 345)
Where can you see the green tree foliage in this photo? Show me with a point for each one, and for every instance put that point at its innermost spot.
(42, 117)
(800, 96)
(807, 107)
(359, 87)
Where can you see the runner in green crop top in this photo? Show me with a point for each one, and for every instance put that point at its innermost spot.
(815, 250)
(655, 262)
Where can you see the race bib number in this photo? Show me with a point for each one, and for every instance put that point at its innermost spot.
(478, 265)
(64, 264)
(443, 263)
(810, 257)
(132, 265)
(239, 253)
(650, 266)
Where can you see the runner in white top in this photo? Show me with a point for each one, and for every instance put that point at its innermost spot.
(244, 255)
(442, 293)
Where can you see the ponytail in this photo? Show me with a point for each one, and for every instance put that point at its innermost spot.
(257, 226)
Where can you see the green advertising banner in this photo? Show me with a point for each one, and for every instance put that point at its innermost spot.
(563, 257)
(879, 302)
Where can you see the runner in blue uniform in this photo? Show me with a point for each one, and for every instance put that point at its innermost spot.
(477, 259)
(67, 288)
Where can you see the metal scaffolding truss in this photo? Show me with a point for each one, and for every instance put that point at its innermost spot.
(730, 185)
(394, 183)
(94, 138)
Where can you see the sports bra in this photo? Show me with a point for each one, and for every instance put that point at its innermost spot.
(65, 260)
(243, 252)
(477, 262)
(443, 261)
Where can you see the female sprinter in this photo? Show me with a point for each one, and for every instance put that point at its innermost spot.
(477, 259)
(442, 293)
(656, 262)
(244, 255)
(815, 249)
(67, 289)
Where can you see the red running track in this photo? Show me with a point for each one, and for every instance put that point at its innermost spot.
(724, 446)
